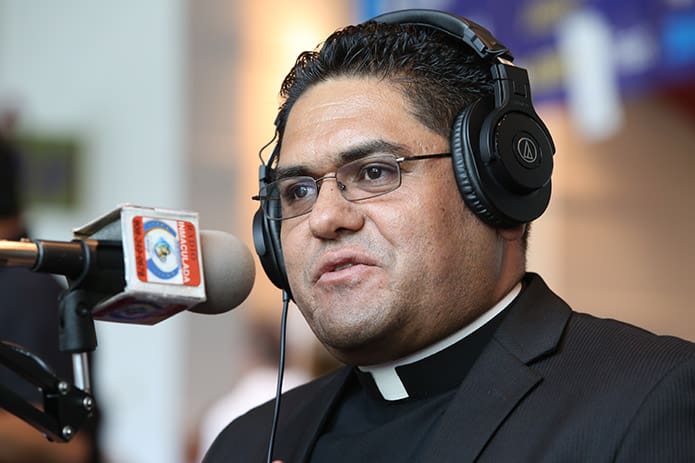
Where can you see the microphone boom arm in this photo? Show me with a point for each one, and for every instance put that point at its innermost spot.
(65, 407)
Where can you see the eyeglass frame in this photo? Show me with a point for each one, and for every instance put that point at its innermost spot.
(265, 199)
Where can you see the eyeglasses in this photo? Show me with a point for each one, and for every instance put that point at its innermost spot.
(364, 178)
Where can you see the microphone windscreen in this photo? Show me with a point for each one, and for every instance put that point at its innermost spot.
(229, 271)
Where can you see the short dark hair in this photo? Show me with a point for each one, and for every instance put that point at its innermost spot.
(438, 75)
(10, 204)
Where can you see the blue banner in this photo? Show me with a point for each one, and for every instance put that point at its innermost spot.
(650, 43)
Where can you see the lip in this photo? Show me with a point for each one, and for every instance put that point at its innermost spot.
(341, 264)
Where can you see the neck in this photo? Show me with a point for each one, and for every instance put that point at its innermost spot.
(513, 264)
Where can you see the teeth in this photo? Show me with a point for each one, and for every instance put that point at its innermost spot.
(342, 267)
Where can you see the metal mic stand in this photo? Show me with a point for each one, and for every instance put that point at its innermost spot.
(66, 407)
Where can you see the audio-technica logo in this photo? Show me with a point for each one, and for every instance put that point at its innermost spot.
(527, 150)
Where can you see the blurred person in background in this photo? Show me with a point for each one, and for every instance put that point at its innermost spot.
(257, 381)
(29, 315)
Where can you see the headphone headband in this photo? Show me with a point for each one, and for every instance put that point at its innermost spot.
(474, 35)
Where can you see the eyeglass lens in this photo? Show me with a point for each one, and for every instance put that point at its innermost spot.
(360, 179)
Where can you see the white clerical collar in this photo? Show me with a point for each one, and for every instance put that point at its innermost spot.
(385, 376)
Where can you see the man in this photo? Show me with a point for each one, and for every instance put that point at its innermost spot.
(29, 317)
(410, 268)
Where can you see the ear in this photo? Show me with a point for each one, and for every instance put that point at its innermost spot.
(512, 234)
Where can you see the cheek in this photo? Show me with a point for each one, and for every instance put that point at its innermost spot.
(291, 250)
(433, 210)
(416, 232)
(442, 232)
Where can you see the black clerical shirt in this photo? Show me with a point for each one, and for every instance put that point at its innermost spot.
(366, 426)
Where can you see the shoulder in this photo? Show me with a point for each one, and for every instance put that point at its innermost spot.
(293, 401)
(618, 351)
(246, 438)
(630, 358)
(542, 324)
(633, 391)
(625, 339)
(643, 383)
(583, 357)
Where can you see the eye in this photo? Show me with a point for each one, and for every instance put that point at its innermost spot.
(377, 172)
(297, 190)
(373, 172)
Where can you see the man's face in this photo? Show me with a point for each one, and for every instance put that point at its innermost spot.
(381, 278)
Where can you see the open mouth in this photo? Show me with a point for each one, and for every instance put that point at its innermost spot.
(343, 267)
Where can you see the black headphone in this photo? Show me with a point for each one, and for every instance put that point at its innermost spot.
(502, 152)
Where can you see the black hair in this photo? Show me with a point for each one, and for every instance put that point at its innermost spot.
(438, 74)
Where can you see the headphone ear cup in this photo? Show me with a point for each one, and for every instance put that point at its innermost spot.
(465, 141)
(497, 179)
(266, 241)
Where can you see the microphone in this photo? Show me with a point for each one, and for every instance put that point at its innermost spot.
(229, 271)
(147, 274)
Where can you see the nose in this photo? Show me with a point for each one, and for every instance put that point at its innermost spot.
(332, 214)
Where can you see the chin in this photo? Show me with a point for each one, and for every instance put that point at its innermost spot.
(355, 340)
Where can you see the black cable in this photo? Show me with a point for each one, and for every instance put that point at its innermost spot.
(86, 266)
(281, 371)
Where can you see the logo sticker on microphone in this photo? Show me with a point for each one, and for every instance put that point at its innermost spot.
(166, 251)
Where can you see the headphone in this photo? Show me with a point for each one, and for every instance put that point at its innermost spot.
(502, 153)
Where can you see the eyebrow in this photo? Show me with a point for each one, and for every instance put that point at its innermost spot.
(355, 152)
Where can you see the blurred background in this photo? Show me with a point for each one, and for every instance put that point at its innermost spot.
(166, 103)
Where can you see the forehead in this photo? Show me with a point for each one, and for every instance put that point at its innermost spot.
(336, 116)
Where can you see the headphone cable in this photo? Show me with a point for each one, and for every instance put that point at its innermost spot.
(281, 371)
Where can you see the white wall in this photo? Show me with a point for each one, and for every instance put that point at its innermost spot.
(111, 74)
